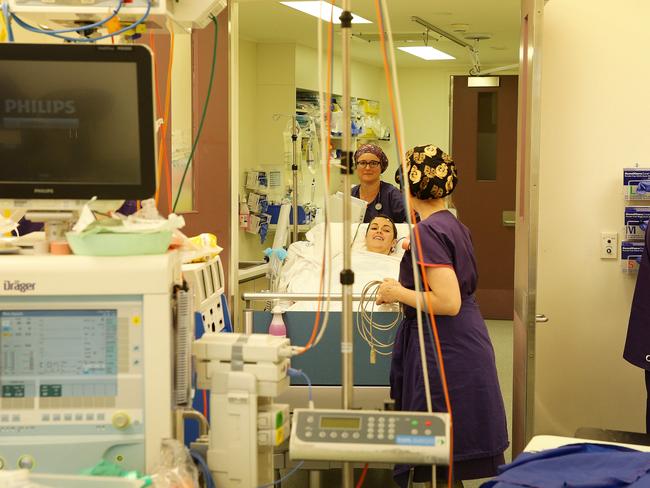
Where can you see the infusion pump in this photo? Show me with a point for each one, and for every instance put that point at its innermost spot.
(85, 361)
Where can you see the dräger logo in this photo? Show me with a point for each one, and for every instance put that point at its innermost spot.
(20, 286)
(39, 107)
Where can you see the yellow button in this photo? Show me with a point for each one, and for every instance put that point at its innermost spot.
(121, 420)
(279, 436)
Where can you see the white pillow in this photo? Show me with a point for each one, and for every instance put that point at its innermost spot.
(358, 233)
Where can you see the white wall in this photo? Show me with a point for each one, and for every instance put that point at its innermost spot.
(425, 104)
(595, 121)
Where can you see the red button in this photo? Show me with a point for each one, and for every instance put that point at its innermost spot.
(428, 423)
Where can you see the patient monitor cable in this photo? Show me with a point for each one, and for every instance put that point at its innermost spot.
(203, 113)
(366, 325)
(394, 98)
(325, 137)
(80, 29)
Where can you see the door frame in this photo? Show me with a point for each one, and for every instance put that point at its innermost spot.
(526, 229)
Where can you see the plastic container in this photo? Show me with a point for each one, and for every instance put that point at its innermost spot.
(277, 327)
(119, 244)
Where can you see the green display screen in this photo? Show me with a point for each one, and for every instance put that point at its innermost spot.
(340, 423)
(50, 391)
(13, 391)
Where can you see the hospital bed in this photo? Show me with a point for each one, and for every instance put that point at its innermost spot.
(323, 363)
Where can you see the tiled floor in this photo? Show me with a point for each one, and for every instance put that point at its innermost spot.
(501, 335)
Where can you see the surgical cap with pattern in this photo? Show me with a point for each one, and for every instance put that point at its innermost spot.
(373, 149)
(430, 172)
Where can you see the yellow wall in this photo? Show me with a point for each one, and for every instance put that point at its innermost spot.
(594, 123)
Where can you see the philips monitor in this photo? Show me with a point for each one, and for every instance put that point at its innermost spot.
(76, 122)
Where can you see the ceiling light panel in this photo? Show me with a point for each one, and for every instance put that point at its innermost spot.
(323, 10)
(426, 52)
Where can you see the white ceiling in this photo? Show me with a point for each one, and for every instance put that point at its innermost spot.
(270, 21)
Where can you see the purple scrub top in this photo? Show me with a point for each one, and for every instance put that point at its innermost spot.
(637, 344)
(480, 431)
(389, 202)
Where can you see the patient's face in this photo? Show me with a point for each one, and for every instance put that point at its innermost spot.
(380, 237)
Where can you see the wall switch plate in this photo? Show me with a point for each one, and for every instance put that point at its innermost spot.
(608, 245)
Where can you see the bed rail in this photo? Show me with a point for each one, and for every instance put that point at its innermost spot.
(251, 297)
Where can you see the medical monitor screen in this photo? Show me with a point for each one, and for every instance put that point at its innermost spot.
(58, 353)
(76, 122)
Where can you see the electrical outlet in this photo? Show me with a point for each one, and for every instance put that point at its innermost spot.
(608, 245)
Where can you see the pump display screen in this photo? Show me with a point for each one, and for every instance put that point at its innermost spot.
(58, 353)
(353, 423)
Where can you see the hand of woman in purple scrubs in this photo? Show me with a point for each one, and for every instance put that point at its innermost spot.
(444, 295)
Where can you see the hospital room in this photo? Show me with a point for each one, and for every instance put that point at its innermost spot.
(324, 244)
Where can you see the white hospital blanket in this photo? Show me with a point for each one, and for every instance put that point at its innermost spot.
(301, 273)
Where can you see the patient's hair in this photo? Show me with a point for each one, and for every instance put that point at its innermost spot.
(382, 216)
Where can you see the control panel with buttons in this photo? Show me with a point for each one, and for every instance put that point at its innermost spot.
(365, 436)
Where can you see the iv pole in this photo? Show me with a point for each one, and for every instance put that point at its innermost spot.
(294, 170)
(347, 275)
(295, 132)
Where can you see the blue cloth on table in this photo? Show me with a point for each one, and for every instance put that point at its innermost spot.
(576, 465)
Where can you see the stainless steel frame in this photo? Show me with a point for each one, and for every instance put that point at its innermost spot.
(526, 230)
(249, 298)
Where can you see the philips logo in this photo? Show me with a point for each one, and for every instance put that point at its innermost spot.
(44, 191)
(20, 286)
(39, 107)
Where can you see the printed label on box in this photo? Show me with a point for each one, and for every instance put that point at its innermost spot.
(636, 221)
(637, 183)
(631, 252)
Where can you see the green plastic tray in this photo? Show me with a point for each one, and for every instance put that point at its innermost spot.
(109, 244)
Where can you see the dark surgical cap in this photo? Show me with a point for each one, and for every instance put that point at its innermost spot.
(430, 173)
(373, 149)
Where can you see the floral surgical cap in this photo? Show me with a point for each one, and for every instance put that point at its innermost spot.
(430, 172)
(373, 149)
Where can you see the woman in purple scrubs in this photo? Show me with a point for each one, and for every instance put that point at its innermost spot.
(480, 433)
(383, 198)
(637, 344)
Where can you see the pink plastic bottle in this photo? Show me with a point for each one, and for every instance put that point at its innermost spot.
(277, 327)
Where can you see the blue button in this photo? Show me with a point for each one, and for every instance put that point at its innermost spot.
(415, 440)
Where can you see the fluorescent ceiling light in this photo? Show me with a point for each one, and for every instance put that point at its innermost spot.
(323, 10)
(426, 52)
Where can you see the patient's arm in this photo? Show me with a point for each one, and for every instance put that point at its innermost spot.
(444, 296)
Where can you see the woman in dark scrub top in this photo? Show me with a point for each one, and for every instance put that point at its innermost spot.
(383, 198)
(480, 433)
(637, 344)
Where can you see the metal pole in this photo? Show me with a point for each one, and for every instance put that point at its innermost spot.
(248, 318)
(347, 276)
(294, 170)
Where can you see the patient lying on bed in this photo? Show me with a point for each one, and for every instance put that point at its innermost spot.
(374, 257)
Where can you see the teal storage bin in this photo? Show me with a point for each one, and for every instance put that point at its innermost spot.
(119, 244)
